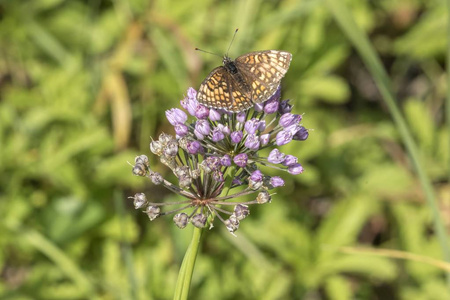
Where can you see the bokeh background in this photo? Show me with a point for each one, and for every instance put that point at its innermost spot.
(84, 85)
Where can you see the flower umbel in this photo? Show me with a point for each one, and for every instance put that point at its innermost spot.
(215, 156)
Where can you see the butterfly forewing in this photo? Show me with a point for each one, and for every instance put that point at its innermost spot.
(264, 71)
(256, 77)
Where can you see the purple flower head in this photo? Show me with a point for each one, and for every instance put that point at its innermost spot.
(262, 125)
(194, 147)
(258, 107)
(276, 181)
(264, 139)
(257, 176)
(302, 134)
(198, 135)
(271, 106)
(240, 117)
(289, 119)
(252, 142)
(293, 128)
(202, 126)
(192, 93)
(191, 106)
(181, 130)
(289, 160)
(217, 135)
(283, 137)
(225, 160)
(176, 116)
(284, 107)
(225, 130)
(251, 126)
(184, 103)
(214, 115)
(241, 160)
(202, 112)
(276, 157)
(295, 169)
(236, 136)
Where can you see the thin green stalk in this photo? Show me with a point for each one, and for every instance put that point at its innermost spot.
(360, 41)
(187, 267)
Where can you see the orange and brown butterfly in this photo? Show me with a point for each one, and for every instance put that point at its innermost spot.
(240, 84)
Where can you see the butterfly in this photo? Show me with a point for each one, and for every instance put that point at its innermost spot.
(249, 79)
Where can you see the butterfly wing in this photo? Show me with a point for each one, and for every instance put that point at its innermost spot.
(220, 90)
(263, 71)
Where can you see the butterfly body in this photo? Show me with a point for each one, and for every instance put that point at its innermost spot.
(251, 78)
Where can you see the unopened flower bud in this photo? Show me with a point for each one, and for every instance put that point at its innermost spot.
(241, 211)
(236, 136)
(202, 112)
(240, 117)
(284, 107)
(139, 170)
(302, 134)
(180, 220)
(199, 220)
(276, 181)
(295, 169)
(141, 159)
(252, 142)
(171, 149)
(176, 116)
(225, 160)
(140, 200)
(276, 157)
(241, 160)
(263, 197)
(232, 224)
(156, 148)
(153, 212)
(164, 138)
(283, 137)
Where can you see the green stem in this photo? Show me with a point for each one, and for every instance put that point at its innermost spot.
(360, 41)
(187, 267)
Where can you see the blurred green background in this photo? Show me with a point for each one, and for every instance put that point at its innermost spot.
(84, 84)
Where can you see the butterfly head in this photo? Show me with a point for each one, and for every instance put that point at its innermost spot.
(226, 59)
(229, 65)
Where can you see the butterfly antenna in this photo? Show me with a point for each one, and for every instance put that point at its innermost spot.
(232, 41)
(208, 52)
